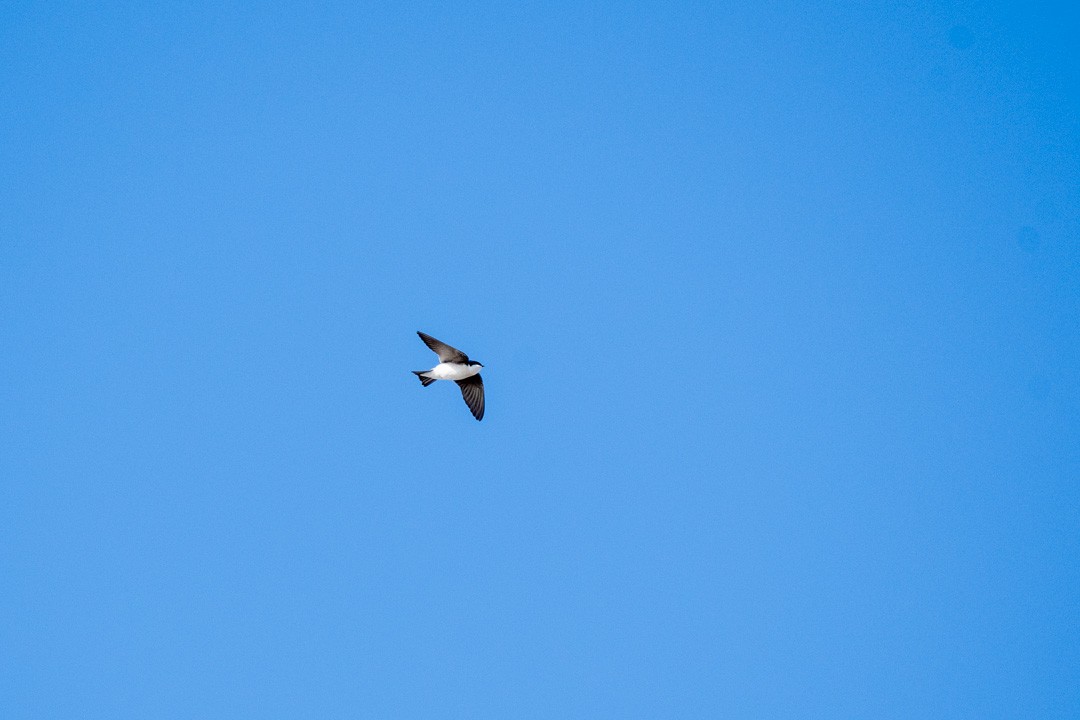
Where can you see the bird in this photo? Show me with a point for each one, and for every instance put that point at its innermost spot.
(455, 365)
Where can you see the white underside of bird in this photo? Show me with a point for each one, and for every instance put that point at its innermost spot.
(452, 371)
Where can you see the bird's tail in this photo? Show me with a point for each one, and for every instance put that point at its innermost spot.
(425, 381)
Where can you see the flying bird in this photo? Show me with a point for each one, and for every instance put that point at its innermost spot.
(455, 365)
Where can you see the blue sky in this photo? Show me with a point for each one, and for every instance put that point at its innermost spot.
(778, 307)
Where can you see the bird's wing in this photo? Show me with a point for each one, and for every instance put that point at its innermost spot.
(472, 389)
(444, 351)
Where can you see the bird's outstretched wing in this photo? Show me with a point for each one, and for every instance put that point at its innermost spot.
(472, 389)
(444, 351)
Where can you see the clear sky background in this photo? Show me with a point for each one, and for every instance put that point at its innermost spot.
(780, 311)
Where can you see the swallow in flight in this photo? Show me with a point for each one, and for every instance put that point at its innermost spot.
(455, 365)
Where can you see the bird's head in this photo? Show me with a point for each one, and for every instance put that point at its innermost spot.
(473, 362)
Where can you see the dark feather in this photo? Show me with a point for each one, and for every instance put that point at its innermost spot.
(472, 389)
(446, 353)
(425, 381)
